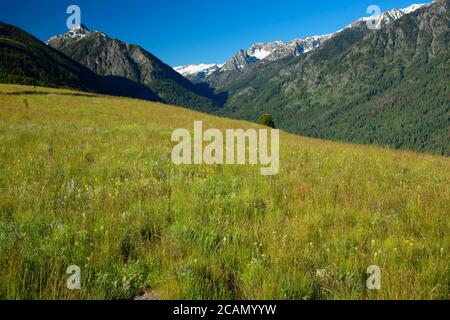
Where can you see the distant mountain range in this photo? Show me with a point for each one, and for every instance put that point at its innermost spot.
(197, 72)
(388, 87)
(277, 50)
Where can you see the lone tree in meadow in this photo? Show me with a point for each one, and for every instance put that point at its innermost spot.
(267, 120)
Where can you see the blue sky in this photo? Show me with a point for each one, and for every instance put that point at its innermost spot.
(193, 31)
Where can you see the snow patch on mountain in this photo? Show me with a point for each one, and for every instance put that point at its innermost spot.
(197, 72)
(192, 69)
(75, 34)
(298, 47)
(261, 54)
(414, 7)
(389, 16)
(262, 50)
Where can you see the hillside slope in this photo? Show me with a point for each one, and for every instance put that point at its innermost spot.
(387, 87)
(111, 57)
(87, 180)
(26, 60)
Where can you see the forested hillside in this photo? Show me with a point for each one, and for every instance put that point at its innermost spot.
(388, 87)
(27, 60)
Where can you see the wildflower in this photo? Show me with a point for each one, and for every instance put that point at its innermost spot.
(125, 284)
(321, 273)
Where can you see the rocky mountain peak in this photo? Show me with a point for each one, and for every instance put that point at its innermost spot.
(240, 61)
(262, 50)
(387, 17)
(75, 34)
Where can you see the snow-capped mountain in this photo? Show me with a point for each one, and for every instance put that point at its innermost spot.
(297, 47)
(273, 51)
(191, 69)
(76, 33)
(300, 46)
(242, 60)
(378, 21)
(414, 7)
(269, 51)
(262, 50)
(197, 72)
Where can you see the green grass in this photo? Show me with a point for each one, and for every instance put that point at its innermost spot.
(88, 181)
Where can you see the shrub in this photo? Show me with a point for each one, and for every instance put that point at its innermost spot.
(267, 120)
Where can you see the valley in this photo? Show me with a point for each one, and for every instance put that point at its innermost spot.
(124, 178)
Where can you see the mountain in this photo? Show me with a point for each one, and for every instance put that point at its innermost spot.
(387, 17)
(111, 57)
(297, 47)
(26, 60)
(278, 50)
(217, 75)
(77, 33)
(262, 50)
(197, 72)
(241, 61)
(388, 87)
(232, 68)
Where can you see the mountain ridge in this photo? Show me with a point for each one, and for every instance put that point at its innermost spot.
(112, 57)
(27, 60)
(387, 87)
(278, 50)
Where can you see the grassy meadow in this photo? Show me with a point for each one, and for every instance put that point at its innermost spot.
(87, 180)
